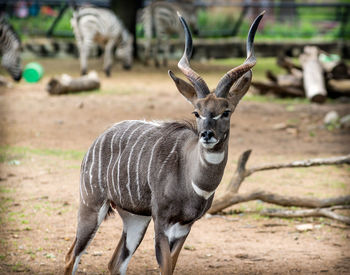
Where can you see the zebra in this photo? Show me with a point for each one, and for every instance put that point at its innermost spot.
(159, 20)
(93, 25)
(10, 49)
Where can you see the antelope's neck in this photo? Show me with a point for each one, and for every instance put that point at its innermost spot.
(207, 169)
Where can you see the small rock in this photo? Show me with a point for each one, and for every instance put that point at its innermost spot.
(292, 131)
(242, 256)
(331, 117)
(189, 247)
(279, 126)
(97, 253)
(81, 105)
(345, 122)
(305, 227)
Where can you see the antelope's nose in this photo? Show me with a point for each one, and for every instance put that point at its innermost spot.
(207, 135)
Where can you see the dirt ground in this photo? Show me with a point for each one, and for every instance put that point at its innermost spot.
(43, 138)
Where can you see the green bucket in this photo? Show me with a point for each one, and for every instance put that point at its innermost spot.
(33, 71)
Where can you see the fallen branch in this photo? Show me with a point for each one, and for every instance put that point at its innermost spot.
(232, 197)
(66, 84)
(318, 212)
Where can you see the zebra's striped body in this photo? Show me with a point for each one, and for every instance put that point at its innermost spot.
(101, 26)
(10, 49)
(160, 21)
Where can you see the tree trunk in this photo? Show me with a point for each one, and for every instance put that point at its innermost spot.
(314, 83)
(127, 12)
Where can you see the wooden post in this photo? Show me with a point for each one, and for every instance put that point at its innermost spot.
(314, 83)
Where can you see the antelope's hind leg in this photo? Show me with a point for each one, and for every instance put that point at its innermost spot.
(134, 229)
(89, 221)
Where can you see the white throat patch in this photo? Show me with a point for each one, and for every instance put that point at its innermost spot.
(202, 193)
(214, 158)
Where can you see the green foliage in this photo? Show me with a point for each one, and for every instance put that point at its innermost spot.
(6, 152)
(39, 25)
(308, 23)
(215, 24)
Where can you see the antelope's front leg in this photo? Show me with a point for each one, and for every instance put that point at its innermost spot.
(175, 249)
(163, 253)
(169, 241)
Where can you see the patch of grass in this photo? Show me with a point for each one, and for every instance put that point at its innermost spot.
(25, 151)
(336, 185)
(6, 190)
(272, 99)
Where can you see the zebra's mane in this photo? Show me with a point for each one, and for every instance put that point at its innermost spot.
(4, 22)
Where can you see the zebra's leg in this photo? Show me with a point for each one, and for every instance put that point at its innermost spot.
(166, 52)
(147, 52)
(89, 221)
(156, 52)
(108, 56)
(84, 54)
(134, 229)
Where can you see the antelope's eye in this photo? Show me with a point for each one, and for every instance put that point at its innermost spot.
(225, 114)
(196, 114)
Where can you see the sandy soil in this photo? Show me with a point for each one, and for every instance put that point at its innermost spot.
(39, 187)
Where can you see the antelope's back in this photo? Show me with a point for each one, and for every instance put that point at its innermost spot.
(127, 160)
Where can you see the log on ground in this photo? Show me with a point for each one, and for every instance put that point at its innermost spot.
(66, 84)
(314, 83)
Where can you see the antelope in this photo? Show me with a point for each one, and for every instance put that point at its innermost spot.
(166, 171)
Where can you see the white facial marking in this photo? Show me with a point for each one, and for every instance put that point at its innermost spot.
(176, 231)
(202, 193)
(217, 117)
(208, 145)
(214, 158)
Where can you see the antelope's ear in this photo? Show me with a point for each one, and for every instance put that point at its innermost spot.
(240, 88)
(186, 89)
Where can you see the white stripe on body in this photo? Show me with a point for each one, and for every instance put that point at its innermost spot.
(117, 161)
(169, 156)
(150, 163)
(93, 162)
(109, 164)
(85, 170)
(100, 164)
(129, 161)
(137, 169)
(118, 172)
